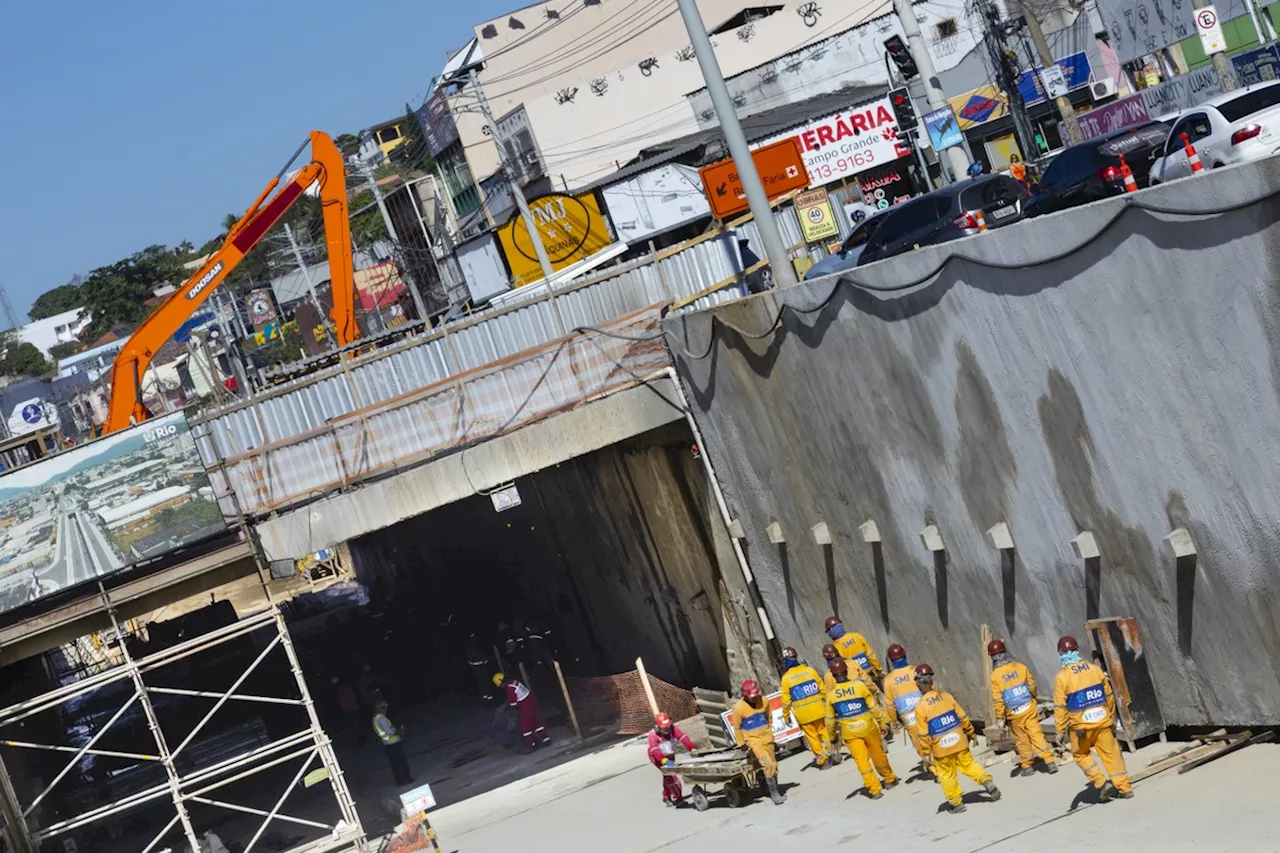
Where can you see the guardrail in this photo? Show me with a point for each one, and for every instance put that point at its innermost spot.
(410, 428)
(346, 423)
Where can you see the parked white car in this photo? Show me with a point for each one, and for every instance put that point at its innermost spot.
(1238, 127)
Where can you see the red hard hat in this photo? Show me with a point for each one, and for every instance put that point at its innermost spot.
(750, 689)
(839, 666)
(1068, 644)
(789, 654)
(924, 671)
(897, 652)
(662, 721)
(831, 620)
(830, 652)
(996, 647)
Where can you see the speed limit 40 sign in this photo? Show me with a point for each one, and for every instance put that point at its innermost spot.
(1210, 29)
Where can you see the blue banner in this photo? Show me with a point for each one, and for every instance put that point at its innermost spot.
(944, 130)
(1074, 67)
(1258, 66)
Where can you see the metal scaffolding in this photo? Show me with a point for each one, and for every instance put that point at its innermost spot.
(309, 745)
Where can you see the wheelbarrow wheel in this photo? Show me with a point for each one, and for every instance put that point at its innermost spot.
(735, 796)
(699, 797)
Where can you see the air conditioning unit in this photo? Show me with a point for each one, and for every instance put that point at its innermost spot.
(1102, 89)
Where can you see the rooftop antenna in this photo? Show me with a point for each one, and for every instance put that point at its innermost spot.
(9, 317)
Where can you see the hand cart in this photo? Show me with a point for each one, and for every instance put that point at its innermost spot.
(731, 767)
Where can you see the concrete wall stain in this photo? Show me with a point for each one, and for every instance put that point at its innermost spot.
(1117, 390)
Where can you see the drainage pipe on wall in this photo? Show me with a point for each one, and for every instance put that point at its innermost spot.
(756, 598)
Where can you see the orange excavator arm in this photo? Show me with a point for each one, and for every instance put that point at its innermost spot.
(326, 169)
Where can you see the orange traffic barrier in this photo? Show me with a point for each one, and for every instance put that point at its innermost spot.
(1130, 185)
(1192, 157)
(982, 220)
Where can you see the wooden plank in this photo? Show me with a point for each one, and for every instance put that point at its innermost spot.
(984, 635)
(1247, 739)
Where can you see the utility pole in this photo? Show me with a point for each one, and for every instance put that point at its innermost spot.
(1047, 61)
(1221, 63)
(311, 288)
(932, 87)
(775, 250)
(513, 180)
(418, 304)
(1004, 61)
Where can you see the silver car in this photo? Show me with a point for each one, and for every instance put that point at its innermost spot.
(1238, 127)
(846, 257)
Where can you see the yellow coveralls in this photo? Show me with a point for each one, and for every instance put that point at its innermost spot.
(803, 698)
(1085, 706)
(856, 673)
(854, 716)
(854, 648)
(754, 727)
(900, 699)
(945, 731)
(1013, 690)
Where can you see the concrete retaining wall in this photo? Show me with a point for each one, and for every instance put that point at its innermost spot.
(1128, 389)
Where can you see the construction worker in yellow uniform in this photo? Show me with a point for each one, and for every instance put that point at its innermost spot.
(1013, 690)
(830, 654)
(945, 731)
(1084, 709)
(854, 716)
(901, 695)
(753, 728)
(853, 647)
(804, 699)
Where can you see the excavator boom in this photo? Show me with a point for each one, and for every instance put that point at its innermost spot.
(326, 169)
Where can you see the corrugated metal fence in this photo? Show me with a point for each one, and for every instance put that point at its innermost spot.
(470, 380)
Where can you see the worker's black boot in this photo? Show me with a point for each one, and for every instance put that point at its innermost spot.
(1107, 792)
(992, 791)
(777, 796)
(1051, 766)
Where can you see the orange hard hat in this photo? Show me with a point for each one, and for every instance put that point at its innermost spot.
(750, 689)
(1068, 644)
(662, 721)
(996, 647)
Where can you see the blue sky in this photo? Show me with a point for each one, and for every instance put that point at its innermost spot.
(139, 121)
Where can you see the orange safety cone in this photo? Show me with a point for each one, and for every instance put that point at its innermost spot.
(1130, 185)
(1192, 157)
(982, 220)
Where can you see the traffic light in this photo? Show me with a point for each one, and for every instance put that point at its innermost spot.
(897, 49)
(903, 110)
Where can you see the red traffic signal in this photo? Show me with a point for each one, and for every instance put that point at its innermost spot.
(901, 56)
(903, 110)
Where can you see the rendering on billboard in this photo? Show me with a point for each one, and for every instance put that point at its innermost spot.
(102, 507)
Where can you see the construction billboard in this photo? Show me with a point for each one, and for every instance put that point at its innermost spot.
(102, 507)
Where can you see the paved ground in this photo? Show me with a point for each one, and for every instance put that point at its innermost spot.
(610, 800)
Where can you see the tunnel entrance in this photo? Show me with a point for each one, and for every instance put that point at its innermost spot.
(589, 565)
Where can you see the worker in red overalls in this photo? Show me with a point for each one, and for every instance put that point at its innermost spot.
(663, 739)
(522, 699)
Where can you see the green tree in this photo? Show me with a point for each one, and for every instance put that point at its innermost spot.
(19, 358)
(117, 293)
(64, 297)
(347, 143)
(62, 350)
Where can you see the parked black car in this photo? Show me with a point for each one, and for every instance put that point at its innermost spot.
(945, 215)
(1091, 170)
